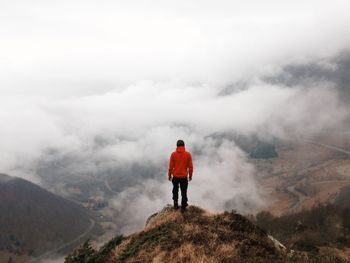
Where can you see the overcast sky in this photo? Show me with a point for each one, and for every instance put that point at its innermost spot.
(69, 48)
(134, 76)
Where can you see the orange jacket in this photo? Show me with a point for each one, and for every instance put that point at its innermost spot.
(180, 164)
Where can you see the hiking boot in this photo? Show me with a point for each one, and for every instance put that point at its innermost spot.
(183, 207)
(176, 205)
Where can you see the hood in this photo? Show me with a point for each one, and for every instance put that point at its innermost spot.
(180, 149)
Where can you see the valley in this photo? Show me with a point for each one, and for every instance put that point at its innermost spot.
(305, 173)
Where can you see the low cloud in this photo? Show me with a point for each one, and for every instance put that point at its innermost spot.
(128, 135)
(106, 95)
(223, 180)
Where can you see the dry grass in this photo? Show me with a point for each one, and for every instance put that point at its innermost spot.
(4, 256)
(120, 248)
(170, 216)
(197, 236)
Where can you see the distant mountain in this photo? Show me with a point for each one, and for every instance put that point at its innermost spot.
(33, 220)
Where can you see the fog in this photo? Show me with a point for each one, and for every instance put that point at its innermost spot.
(106, 89)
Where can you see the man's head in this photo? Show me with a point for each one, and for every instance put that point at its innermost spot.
(180, 143)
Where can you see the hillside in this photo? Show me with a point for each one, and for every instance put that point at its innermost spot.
(303, 175)
(323, 227)
(33, 220)
(196, 236)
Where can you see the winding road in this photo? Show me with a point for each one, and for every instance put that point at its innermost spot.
(109, 187)
(331, 147)
(299, 195)
(78, 238)
(64, 246)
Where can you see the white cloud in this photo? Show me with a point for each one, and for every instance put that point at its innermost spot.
(77, 47)
(222, 180)
(136, 76)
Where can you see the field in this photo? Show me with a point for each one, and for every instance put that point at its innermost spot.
(304, 174)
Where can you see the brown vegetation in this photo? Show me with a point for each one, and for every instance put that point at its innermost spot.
(324, 229)
(199, 236)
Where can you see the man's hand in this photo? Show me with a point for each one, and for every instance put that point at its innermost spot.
(190, 178)
(169, 177)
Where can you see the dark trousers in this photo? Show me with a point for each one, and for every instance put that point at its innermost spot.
(183, 182)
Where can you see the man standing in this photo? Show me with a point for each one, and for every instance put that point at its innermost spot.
(180, 170)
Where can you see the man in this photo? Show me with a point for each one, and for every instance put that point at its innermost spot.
(180, 171)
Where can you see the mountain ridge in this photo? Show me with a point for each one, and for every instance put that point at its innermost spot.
(35, 220)
(196, 235)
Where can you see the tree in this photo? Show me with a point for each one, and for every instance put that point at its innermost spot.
(264, 151)
(84, 254)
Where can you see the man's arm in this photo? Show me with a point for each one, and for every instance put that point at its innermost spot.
(171, 165)
(190, 167)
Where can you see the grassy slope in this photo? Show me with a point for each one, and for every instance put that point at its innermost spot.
(197, 236)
